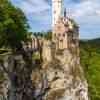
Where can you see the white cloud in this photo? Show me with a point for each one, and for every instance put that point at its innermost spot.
(85, 8)
(85, 12)
(97, 12)
(87, 15)
(34, 6)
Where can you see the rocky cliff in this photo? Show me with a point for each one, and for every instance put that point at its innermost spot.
(61, 74)
(65, 77)
(58, 77)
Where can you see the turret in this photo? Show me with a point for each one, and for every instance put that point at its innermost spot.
(56, 11)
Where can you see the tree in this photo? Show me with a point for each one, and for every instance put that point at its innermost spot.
(13, 25)
(90, 60)
(48, 35)
(13, 30)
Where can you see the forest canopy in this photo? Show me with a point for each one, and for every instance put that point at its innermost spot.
(13, 25)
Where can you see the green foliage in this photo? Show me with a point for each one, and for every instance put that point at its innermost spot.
(90, 60)
(36, 55)
(41, 34)
(13, 26)
(47, 35)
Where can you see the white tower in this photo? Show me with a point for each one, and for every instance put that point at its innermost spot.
(56, 11)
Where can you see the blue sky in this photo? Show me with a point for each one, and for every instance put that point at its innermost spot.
(85, 12)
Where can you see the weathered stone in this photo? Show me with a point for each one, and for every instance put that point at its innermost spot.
(65, 78)
(46, 54)
(18, 85)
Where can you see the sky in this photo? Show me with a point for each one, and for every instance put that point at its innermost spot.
(85, 12)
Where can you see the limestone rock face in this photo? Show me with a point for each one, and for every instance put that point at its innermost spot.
(18, 85)
(65, 78)
(46, 54)
(4, 89)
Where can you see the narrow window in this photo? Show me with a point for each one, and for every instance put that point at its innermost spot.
(59, 34)
(63, 35)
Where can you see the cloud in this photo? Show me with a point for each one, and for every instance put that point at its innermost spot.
(34, 6)
(97, 12)
(85, 12)
(83, 8)
(38, 13)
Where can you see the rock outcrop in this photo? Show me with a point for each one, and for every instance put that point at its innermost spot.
(65, 76)
(18, 85)
(61, 76)
(61, 63)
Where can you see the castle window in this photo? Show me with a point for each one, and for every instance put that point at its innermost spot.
(54, 12)
(59, 35)
(61, 40)
(63, 35)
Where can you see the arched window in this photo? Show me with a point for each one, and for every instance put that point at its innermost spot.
(59, 34)
(63, 34)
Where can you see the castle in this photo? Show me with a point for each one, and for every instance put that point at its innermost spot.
(64, 29)
(59, 75)
(61, 60)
